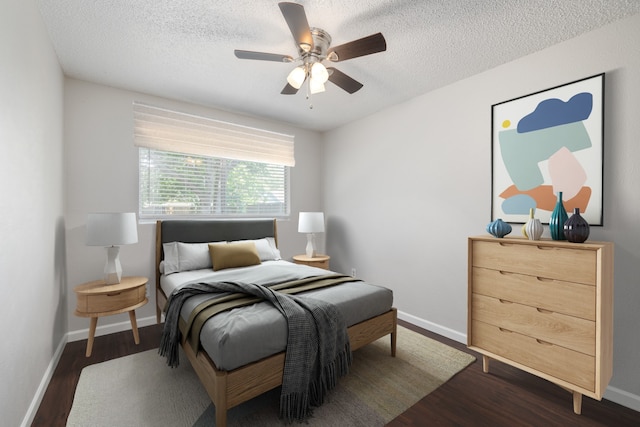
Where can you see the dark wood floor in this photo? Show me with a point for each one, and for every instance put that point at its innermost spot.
(505, 397)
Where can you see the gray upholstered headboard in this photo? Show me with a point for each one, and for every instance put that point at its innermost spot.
(202, 231)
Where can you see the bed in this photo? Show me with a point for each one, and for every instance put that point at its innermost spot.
(232, 375)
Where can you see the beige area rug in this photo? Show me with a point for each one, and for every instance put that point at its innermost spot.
(140, 390)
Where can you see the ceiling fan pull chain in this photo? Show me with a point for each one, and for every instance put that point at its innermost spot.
(308, 85)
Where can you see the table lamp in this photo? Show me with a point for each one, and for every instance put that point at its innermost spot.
(311, 223)
(111, 230)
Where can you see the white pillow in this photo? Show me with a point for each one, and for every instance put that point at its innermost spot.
(179, 256)
(266, 248)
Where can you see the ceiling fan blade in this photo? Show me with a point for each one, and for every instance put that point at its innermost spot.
(289, 90)
(297, 20)
(343, 81)
(365, 46)
(247, 54)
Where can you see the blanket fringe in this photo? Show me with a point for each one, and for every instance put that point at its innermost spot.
(169, 348)
(299, 406)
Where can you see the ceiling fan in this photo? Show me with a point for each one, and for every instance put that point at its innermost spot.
(313, 48)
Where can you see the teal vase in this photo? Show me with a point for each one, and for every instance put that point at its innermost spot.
(558, 218)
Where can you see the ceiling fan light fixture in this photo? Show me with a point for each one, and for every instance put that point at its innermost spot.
(319, 72)
(296, 77)
(314, 47)
(315, 86)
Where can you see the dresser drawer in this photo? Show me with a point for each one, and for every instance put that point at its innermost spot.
(566, 331)
(568, 365)
(569, 298)
(539, 259)
(102, 303)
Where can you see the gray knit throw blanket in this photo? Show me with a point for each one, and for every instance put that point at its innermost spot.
(318, 349)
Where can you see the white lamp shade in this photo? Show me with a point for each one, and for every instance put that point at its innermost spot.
(311, 222)
(296, 77)
(319, 73)
(111, 229)
(315, 86)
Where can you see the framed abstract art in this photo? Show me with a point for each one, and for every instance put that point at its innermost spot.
(546, 142)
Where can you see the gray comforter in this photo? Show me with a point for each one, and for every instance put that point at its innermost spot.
(244, 335)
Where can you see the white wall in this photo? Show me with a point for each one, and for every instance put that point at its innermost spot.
(408, 185)
(402, 191)
(102, 176)
(32, 263)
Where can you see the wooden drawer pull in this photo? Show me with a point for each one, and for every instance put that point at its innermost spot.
(543, 342)
(114, 294)
(544, 279)
(504, 301)
(545, 248)
(542, 310)
(505, 273)
(506, 244)
(505, 330)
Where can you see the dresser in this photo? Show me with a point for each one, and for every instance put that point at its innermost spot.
(545, 307)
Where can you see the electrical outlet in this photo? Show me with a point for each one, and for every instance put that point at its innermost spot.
(353, 272)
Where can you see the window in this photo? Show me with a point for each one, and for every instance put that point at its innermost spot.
(184, 184)
(193, 166)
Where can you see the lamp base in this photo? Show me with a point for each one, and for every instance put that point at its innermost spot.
(311, 245)
(112, 268)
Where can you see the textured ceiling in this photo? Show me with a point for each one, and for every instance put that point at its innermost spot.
(183, 49)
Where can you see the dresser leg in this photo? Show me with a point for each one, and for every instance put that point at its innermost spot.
(134, 326)
(485, 364)
(92, 334)
(577, 402)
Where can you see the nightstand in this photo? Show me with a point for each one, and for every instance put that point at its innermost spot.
(321, 261)
(97, 299)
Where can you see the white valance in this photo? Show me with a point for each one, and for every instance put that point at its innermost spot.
(166, 130)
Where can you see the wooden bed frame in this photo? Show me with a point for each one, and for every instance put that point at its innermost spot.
(231, 388)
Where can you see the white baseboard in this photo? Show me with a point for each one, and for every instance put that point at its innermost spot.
(613, 394)
(623, 398)
(83, 334)
(433, 327)
(44, 383)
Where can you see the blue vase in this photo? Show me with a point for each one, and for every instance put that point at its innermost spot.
(558, 218)
(498, 228)
(576, 228)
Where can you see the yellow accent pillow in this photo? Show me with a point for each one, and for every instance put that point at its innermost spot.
(228, 255)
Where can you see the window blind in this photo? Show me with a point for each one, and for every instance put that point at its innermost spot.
(166, 130)
(187, 185)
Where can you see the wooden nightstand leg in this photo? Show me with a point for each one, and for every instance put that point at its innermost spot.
(92, 333)
(134, 326)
